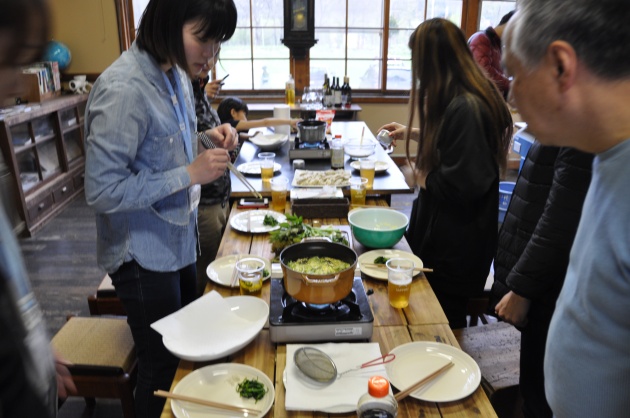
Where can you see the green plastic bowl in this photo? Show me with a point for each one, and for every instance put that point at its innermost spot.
(378, 227)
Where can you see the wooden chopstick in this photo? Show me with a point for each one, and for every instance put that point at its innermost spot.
(383, 266)
(403, 394)
(218, 405)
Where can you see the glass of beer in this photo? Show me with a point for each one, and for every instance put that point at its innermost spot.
(358, 186)
(367, 167)
(266, 165)
(250, 275)
(279, 193)
(399, 275)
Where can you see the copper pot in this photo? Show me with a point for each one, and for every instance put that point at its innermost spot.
(318, 288)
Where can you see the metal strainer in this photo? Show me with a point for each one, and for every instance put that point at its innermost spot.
(317, 365)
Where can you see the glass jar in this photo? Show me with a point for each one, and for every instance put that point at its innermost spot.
(337, 156)
(378, 402)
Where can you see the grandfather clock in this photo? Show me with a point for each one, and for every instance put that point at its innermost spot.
(299, 37)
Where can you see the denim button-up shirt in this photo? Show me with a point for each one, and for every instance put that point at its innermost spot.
(135, 174)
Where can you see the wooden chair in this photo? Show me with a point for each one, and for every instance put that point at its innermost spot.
(105, 301)
(496, 347)
(103, 359)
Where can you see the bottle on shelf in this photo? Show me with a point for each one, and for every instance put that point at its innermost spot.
(328, 93)
(337, 157)
(337, 93)
(324, 89)
(346, 92)
(289, 91)
(378, 402)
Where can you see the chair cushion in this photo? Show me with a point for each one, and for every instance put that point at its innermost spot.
(96, 343)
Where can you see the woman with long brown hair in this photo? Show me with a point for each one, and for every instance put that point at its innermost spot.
(463, 138)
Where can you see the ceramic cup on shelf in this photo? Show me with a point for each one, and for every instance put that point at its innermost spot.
(80, 85)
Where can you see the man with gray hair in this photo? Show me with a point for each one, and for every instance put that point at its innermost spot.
(570, 64)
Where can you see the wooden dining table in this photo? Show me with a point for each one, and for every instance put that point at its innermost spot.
(422, 320)
(386, 183)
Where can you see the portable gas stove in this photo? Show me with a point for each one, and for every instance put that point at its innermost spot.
(294, 321)
(310, 150)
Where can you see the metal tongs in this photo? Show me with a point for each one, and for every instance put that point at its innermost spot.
(210, 145)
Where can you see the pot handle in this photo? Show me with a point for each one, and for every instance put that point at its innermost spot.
(320, 282)
(325, 239)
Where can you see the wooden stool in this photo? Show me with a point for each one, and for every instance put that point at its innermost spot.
(105, 301)
(103, 359)
(496, 347)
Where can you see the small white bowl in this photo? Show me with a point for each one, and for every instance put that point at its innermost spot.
(269, 142)
(356, 149)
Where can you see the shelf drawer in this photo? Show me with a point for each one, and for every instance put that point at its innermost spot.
(40, 207)
(64, 191)
(79, 179)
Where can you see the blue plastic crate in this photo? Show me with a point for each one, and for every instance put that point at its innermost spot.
(505, 195)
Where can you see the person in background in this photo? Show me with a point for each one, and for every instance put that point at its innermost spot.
(214, 204)
(486, 48)
(570, 64)
(464, 135)
(32, 377)
(531, 262)
(234, 111)
(143, 172)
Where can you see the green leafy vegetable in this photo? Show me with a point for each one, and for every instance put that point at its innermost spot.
(380, 260)
(294, 230)
(270, 220)
(265, 273)
(250, 388)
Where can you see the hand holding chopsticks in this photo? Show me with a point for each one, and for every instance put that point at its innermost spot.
(403, 394)
(212, 404)
(205, 140)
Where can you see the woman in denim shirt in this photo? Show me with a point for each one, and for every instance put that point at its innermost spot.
(143, 172)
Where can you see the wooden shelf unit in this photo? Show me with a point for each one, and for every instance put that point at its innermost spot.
(44, 151)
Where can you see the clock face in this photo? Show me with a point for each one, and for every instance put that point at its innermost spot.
(299, 15)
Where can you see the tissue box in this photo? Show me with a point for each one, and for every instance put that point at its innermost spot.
(321, 208)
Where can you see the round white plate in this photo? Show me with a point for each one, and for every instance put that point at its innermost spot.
(252, 221)
(253, 168)
(269, 142)
(417, 359)
(220, 270)
(381, 273)
(252, 310)
(218, 383)
(379, 166)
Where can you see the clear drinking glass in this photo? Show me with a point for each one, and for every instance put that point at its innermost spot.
(266, 165)
(367, 169)
(399, 275)
(279, 193)
(358, 190)
(250, 274)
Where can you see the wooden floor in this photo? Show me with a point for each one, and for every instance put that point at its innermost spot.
(61, 263)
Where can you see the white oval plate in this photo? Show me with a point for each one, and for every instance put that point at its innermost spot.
(253, 310)
(220, 270)
(218, 383)
(421, 358)
(252, 221)
(253, 168)
(379, 166)
(381, 273)
(269, 142)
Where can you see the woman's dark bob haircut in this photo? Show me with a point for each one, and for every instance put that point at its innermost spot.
(161, 26)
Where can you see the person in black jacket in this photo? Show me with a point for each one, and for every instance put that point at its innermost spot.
(531, 262)
(463, 139)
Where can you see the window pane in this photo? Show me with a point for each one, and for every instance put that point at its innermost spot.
(365, 13)
(334, 68)
(267, 44)
(366, 43)
(240, 73)
(237, 47)
(331, 43)
(330, 13)
(493, 11)
(447, 9)
(242, 10)
(268, 13)
(399, 44)
(138, 10)
(365, 74)
(406, 13)
(270, 74)
(398, 74)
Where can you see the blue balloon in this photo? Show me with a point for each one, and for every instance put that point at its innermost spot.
(57, 51)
